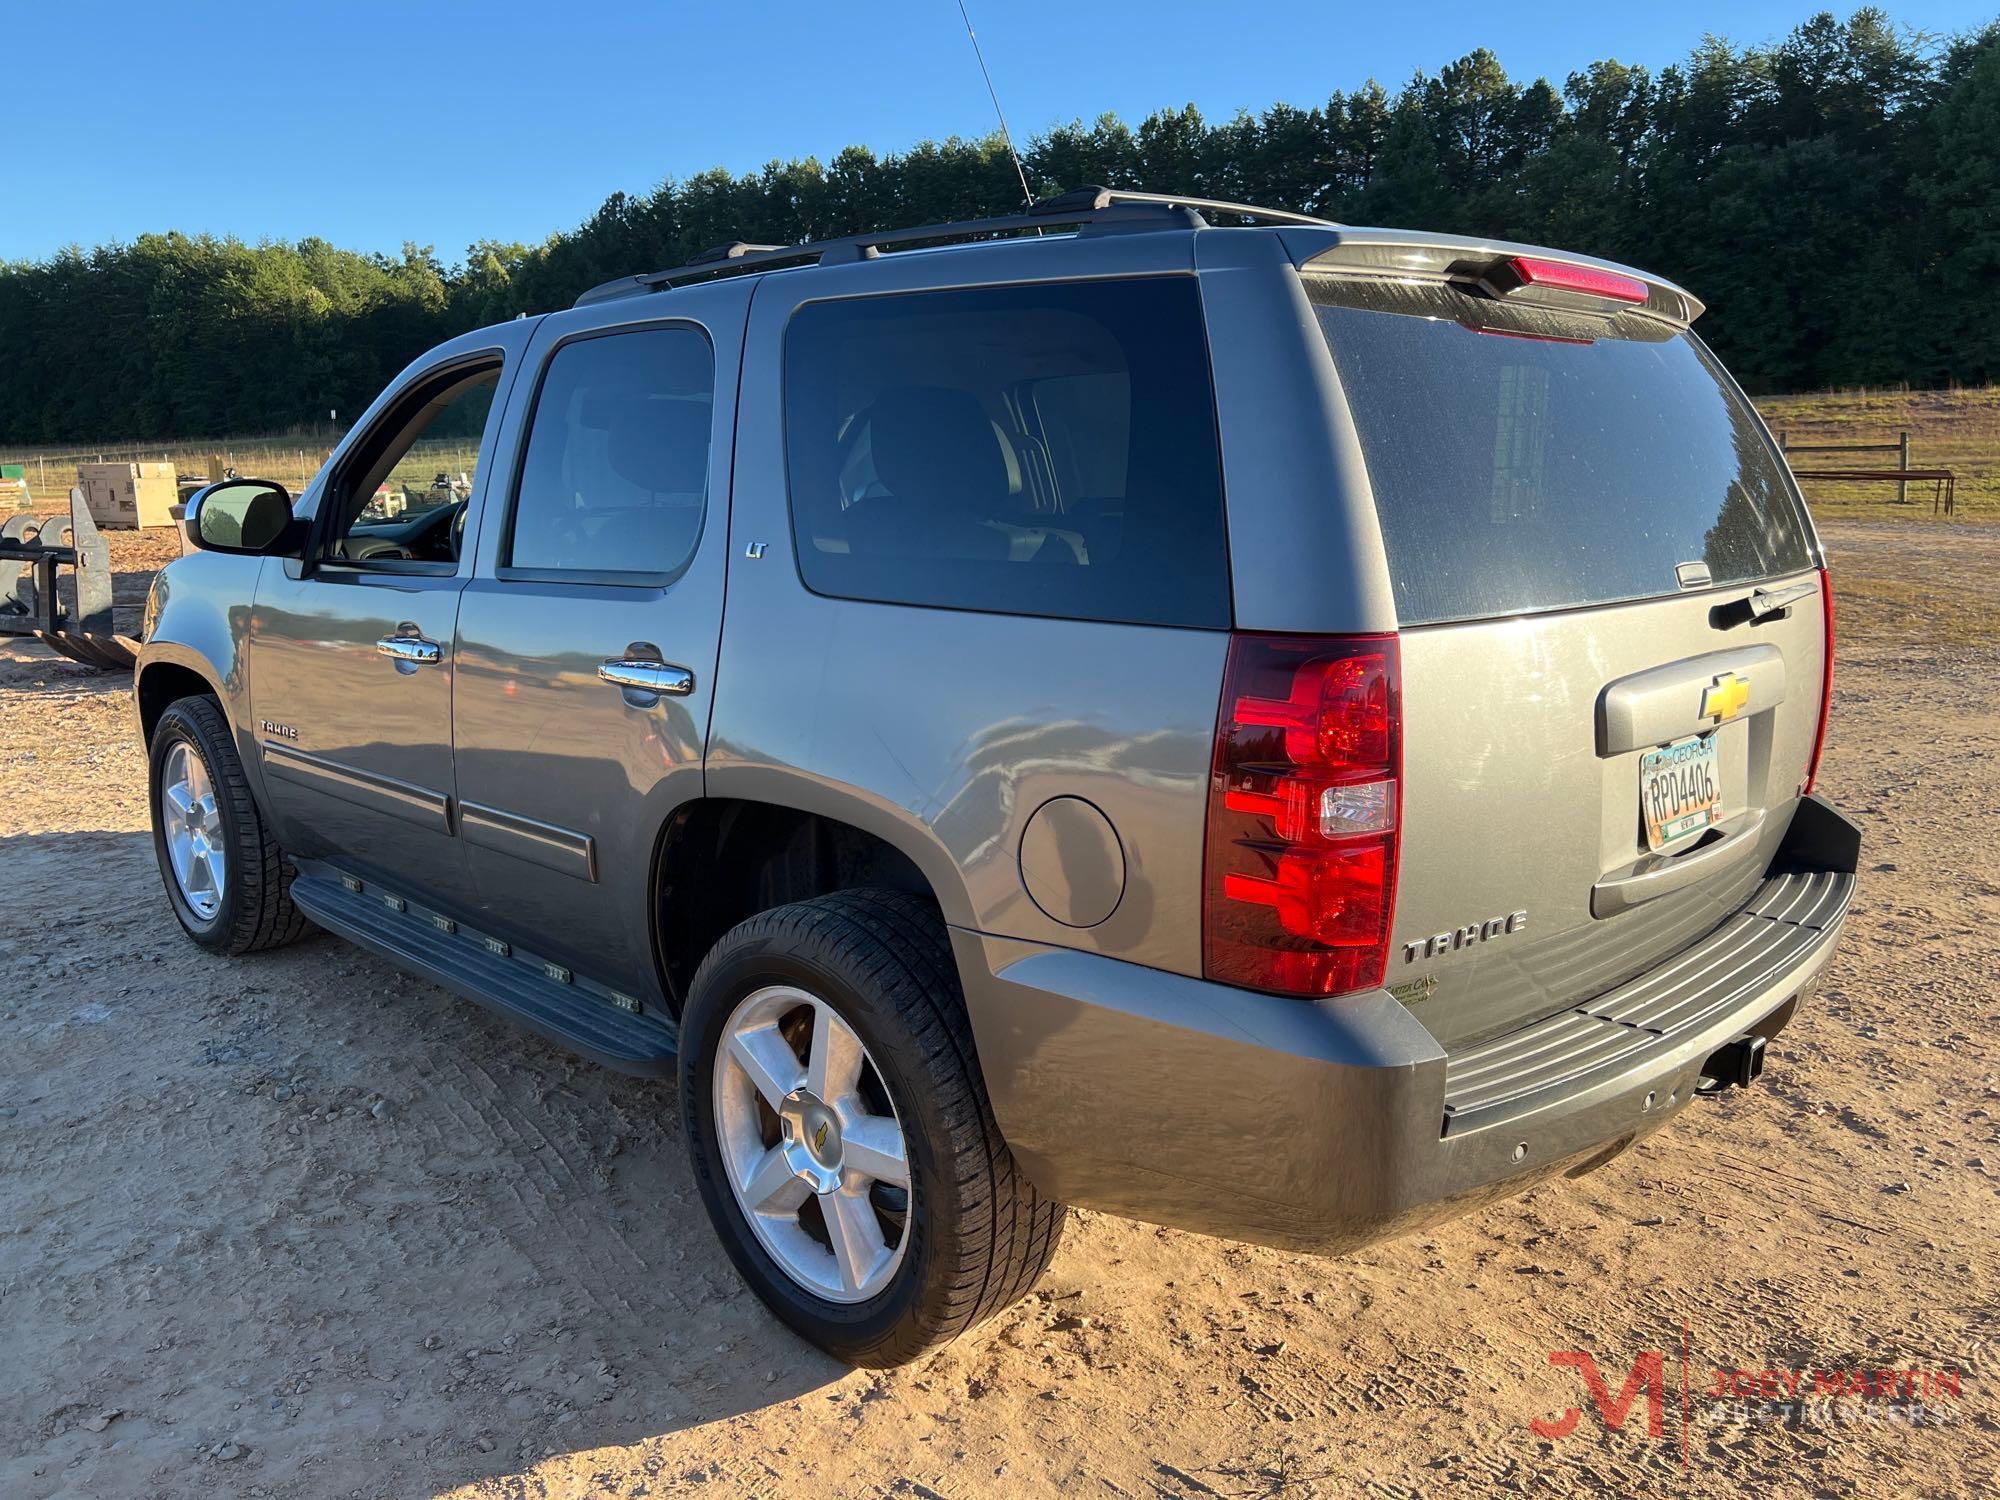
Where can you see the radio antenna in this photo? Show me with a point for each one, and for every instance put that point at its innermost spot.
(1006, 135)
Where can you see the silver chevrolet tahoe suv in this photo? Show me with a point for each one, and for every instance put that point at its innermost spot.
(1279, 729)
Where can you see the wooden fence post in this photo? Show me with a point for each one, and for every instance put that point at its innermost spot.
(1903, 462)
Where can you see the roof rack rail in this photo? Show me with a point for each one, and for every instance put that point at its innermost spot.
(1085, 207)
(733, 250)
(1095, 199)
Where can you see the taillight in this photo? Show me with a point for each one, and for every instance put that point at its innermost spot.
(1568, 278)
(1304, 812)
(1825, 685)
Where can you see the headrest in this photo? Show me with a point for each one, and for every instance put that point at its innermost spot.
(661, 446)
(935, 446)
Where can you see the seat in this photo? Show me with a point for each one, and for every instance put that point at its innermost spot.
(661, 447)
(939, 459)
(642, 509)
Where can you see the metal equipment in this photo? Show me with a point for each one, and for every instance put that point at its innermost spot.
(80, 626)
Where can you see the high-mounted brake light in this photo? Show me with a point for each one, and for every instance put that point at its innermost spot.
(1304, 814)
(1567, 278)
(1825, 685)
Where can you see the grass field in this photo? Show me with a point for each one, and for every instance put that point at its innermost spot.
(291, 459)
(1957, 430)
(1882, 593)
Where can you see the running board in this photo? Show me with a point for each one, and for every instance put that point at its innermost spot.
(601, 1024)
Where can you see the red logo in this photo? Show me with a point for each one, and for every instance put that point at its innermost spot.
(1649, 1374)
(1791, 1397)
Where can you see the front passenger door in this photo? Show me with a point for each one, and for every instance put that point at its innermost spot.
(587, 638)
(350, 649)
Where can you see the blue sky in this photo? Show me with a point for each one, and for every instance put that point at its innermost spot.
(370, 123)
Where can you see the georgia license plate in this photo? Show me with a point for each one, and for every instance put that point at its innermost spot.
(1680, 790)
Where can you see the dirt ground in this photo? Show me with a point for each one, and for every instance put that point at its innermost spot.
(298, 1225)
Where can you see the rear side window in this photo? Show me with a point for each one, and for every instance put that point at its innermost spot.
(1526, 461)
(1043, 450)
(616, 474)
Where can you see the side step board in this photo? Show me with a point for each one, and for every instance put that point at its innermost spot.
(596, 1022)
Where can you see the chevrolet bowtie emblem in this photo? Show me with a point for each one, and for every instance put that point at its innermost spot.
(819, 1137)
(1723, 699)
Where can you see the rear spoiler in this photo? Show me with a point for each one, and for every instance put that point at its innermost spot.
(1486, 266)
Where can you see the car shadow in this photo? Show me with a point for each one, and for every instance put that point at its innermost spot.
(343, 1228)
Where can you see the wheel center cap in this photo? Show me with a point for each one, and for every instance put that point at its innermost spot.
(811, 1139)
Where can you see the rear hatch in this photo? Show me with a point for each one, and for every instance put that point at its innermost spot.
(1612, 629)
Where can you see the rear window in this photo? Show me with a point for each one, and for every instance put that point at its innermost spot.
(1548, 461)
(1043, 450)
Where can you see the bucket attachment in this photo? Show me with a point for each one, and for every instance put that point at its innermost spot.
(79, 626)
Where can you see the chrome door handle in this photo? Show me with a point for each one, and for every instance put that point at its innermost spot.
(648, 677)
(413, 649)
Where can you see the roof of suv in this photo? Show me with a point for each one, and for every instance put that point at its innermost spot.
(1323, 244)
(1084, 210)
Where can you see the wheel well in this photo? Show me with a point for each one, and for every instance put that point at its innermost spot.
(722, 861)
(163, 684)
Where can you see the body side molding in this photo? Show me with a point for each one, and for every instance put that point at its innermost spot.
(421, 805)
(549, 845)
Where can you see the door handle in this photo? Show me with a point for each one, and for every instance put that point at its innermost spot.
(655, 677)
(413, 649)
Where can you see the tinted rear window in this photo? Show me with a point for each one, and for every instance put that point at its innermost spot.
(1550, 461)
(1045, 450)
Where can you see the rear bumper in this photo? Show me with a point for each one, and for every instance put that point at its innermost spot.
(1324, 1126)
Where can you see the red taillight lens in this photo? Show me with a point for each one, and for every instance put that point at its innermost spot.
(1304, 814)
(1568, 278)
(1825, 685)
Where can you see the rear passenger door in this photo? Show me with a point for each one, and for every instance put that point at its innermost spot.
(587, 637)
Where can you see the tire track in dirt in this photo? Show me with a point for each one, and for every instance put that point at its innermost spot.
(547, 1188)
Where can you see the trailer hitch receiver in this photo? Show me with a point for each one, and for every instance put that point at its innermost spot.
(1736, 1064)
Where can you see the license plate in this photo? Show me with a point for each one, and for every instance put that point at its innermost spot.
(1680, 790)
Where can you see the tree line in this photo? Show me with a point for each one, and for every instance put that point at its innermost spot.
(1834, 197)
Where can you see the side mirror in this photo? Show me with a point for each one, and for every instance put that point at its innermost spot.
(251, 517)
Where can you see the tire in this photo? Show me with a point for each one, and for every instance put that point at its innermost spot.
(253, 909)
(976, 1235)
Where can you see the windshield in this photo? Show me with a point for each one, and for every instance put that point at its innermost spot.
(1526, 461)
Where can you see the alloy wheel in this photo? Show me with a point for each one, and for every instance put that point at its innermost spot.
(811, 1144)
(193, 830)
